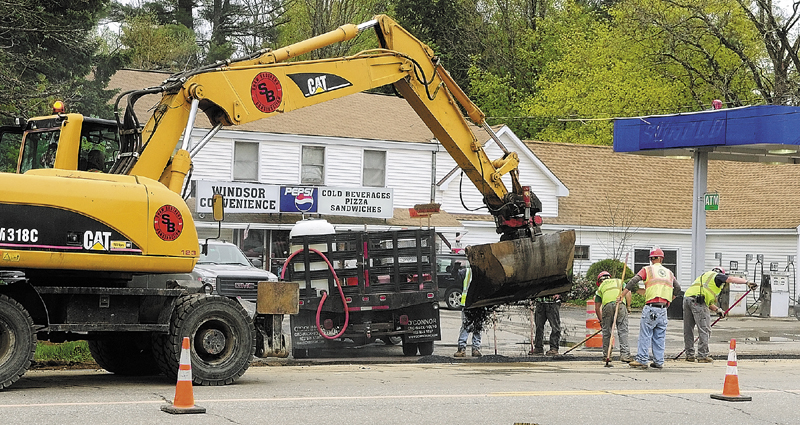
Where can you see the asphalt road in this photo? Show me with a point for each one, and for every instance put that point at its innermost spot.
(421, 393)
(375, 383)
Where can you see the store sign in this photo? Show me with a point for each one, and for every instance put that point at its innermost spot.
(238, 197)
(358, 202)
(259, 198)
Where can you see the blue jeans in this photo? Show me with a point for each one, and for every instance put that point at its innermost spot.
(466, 329)
(652, 332)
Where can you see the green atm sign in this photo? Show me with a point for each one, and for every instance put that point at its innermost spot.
(712, 201)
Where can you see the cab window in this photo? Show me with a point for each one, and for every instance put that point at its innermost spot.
(99, 147)
(39, 149)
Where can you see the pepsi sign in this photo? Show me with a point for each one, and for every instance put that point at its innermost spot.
(301, 199)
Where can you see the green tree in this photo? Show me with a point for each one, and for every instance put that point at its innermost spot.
(600, 73)
(48, 51)
(453, 28)
(710, 46)
(154, 46)
(309, 18)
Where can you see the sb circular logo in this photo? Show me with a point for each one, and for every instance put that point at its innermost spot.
(168, 223)
(266, 92)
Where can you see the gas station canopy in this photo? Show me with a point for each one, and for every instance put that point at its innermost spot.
(765, 133)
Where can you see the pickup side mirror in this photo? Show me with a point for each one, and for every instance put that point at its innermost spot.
(256, 262)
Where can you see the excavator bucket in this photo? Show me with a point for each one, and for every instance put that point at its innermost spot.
(519, 269)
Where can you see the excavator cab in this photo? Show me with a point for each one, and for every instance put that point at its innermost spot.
(63, 141)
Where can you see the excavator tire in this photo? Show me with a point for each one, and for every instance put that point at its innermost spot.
(17, 341)
(127, 354)
(222, 338)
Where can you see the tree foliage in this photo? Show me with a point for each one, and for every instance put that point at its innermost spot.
(154, 46)
(47, 51)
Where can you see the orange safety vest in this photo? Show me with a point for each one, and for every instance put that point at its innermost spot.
(658, 283)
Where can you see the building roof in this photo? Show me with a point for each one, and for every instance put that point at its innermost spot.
(359, 116)
(610, 189)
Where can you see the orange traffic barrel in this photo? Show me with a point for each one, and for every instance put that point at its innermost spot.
(592, 326)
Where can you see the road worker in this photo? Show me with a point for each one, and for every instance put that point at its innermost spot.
(470, 322)
(660, 288)
(698, 303)
(606, 296)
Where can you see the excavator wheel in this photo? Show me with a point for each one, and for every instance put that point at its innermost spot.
(222, 338)
(125, 354)
(17, 341)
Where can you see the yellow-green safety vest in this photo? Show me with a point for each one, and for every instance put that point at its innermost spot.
(467, 281)
(609, 290)
(658, 283)
(707, 285)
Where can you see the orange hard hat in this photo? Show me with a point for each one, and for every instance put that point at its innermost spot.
(656, 252)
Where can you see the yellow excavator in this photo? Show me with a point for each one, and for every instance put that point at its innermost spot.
(85, 239)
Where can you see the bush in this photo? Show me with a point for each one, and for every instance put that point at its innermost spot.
(582, 290)
(637, 300)
(610, 265)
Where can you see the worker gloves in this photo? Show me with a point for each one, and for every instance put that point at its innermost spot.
(750, 284)
(720, 312)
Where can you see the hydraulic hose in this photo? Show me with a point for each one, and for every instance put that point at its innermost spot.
(324, 293)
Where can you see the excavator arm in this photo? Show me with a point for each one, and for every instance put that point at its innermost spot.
(525, 263)
(256, 88)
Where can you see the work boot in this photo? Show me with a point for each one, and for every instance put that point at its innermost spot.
(655, 365)
(626, 359)
(636, 365)
(707, 359)
(551, 352)
(476, 352)
(462, 352)
(690, 358)
(537, 350)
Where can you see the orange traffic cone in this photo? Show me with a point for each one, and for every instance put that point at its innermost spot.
(184, 399)
(592, 325)
(730, 391)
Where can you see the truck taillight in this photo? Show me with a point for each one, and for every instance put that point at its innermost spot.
(327, 324)
(537, 220)
(403, 320)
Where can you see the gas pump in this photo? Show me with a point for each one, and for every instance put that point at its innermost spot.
(736, 291)
(774, 294)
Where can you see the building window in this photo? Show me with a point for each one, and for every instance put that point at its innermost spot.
(374, 173)
(312, 170)
(581, 252)
(245, 161)
(641, 258)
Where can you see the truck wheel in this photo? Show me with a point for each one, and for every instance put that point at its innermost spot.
(409, 348)
(127, 354)
(17, 341)
(425, 348)
(452, 298)
(222, 336)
